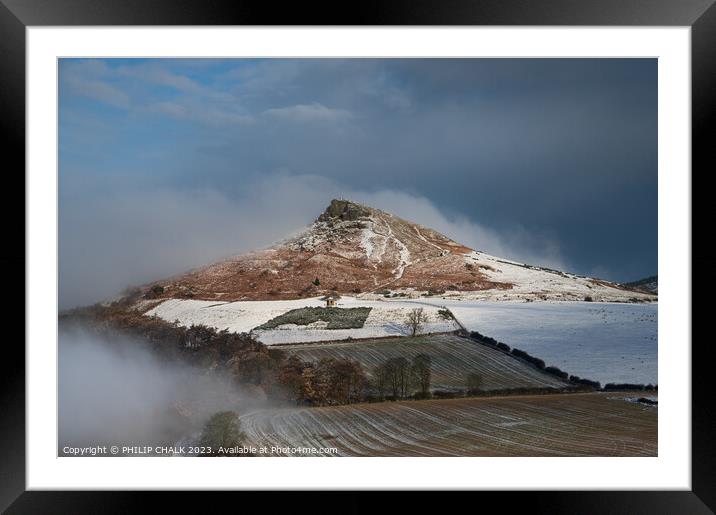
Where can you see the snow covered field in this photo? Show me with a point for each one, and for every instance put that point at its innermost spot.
(611, 343)
(385, 319)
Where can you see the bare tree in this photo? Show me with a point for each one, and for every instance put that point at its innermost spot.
(420, 369)
(416, 319)
(396, 373)
(349, 381)
(403, 373)
(381, 379)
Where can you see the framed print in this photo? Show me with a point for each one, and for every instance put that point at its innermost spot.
(423, 249)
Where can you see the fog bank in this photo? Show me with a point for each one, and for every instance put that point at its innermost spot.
(116, 391)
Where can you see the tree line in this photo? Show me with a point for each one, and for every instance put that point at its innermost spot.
(398, 378)
(332, 381)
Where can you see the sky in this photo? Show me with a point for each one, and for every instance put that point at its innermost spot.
(168, 164)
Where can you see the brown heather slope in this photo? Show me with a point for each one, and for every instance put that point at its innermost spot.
(350, 248)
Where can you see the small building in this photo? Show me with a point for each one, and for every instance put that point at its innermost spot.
(331, 300)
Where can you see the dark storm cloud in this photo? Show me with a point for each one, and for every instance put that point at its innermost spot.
(552, 160)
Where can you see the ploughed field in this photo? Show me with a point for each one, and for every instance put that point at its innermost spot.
(578, 424)
(453, 357)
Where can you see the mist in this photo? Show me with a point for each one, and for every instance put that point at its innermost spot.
(113, 390)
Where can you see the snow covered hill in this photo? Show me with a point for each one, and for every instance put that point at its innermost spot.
(365, 252)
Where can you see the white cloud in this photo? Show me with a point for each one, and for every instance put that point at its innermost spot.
(98, 90)
(194, 102)
(157, 74)
(309, 113)
(206, 115)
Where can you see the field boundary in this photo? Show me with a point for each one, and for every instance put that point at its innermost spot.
(579, 381)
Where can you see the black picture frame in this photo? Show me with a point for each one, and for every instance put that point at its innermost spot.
(17, 15)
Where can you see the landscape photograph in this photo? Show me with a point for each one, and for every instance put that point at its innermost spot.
(359, 257)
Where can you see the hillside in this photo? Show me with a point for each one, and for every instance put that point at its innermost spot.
(359, 250)
(648, 284)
